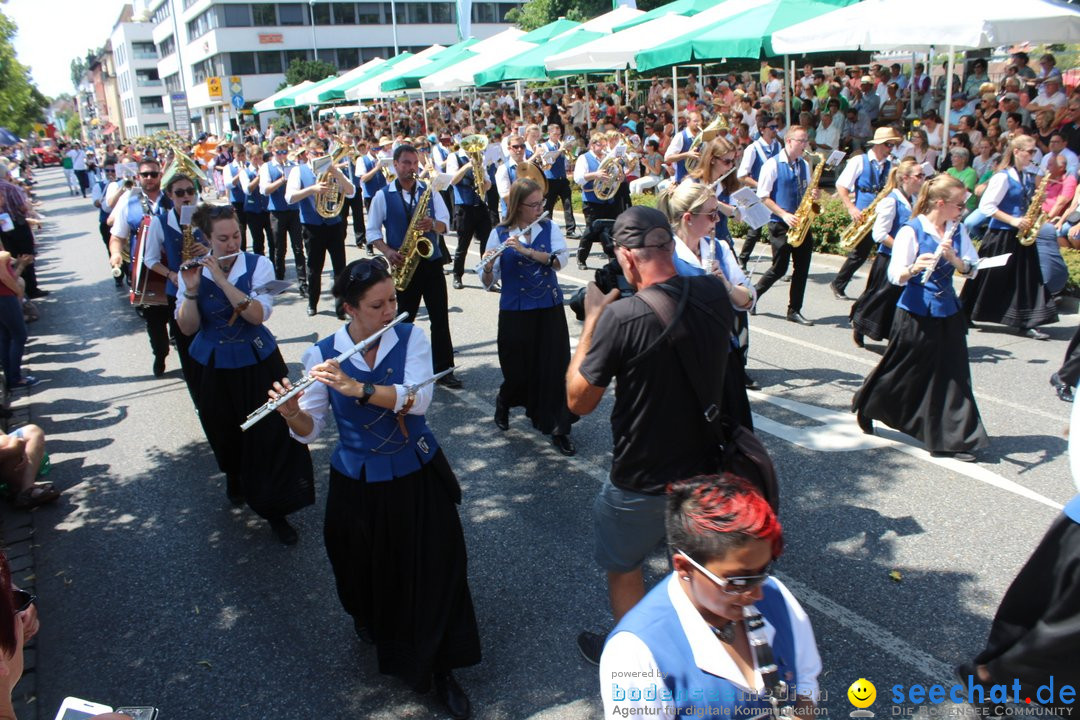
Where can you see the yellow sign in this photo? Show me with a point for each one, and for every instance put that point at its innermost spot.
(213, 86)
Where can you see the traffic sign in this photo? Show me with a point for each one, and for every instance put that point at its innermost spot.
(236, 85)
(213, 87)
(238, 102)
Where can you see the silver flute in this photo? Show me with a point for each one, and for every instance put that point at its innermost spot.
(196, 262)
(519, 233)
(929, 272)
(271, 405)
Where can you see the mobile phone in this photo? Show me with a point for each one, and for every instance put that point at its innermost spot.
(138, 713)
(75, 708)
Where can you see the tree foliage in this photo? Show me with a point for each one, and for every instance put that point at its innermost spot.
(537, 13)
(313, 70)
(21, 104)
(80, 65)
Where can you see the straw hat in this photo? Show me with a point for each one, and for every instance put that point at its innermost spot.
(885, 134)
(384, 140)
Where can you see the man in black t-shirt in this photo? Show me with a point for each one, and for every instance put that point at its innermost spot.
(656, 424)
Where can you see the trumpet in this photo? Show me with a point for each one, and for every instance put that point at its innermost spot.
(299, 386)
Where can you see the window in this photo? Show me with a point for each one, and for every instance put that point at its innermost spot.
(443, 13)
(147, 78)
(344, 13)
(202, 24)
(415, 13)
(119, 54)
(326, 55)
(320, 13)
(163, 13)
(144, 51)
(167, 47)
(291, 55)
(189, 3)
(236, 15)
(348, 58)
(263, 15)
(243, 63)
(370, 53)
(291, 14)
(369, 13)
(270, 61)
(505, 8)
(484, 12)
(172, 83)
(202, 70)
(151, 105)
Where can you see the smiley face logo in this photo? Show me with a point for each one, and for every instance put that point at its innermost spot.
(862, 693)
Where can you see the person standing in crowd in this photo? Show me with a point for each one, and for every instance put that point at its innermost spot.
(393, 207)
(19, 239)
(619, 341)
(392, 530)
(753, 159)
(507, 173)
(783, 181)
(13, 334)
(922, 386)
(284, 216)
(222, 307)
(232, 175)
(862, 180)
(533, 339)
(321, 235)
(473, 219)
(257, 205)
(372, 178)
(1014, 295)
(678, 152)
(872, 313)
(691, 647)
(586, 173)
(557, 181)
(78, 166)
(101, 192)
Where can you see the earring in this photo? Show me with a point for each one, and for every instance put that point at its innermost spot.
(686, 578)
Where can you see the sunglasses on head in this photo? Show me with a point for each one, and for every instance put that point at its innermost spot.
(150, 174)
(363, 268)
(21, 600)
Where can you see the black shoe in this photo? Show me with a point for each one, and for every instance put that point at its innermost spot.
(371, 250)
(311, 311)
(458, 285)
(750, 383)
(234, 489)
(37, 294)
(1064, 392)
(452, 696)
(159, 366)
(572, 234)
(838, 293)
(285, 532)
(303, 289)
(865, 423)
(961, 456)
(1035, 334)
(591, 646)
(796, 317)
(450, 381)
(502, 414)
(564, 444)
(582, 266)
(363, 632)
(859, 338)
(119, 282)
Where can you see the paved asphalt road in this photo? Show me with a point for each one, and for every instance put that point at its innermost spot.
(153, 590)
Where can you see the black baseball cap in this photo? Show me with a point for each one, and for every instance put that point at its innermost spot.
(640, 226)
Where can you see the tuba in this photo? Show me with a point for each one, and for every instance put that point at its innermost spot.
(330, 202)
(808, 209)
(415, 246)
(718, 125)
(1035, 212)
(606, 187)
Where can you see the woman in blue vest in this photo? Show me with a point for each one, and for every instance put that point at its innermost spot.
(534, 342)
(686, 650)
(692, 209)
(221, 306)
(1014, 295)
(922, 386)
(872, 314)
(257, 205)
(392, 529)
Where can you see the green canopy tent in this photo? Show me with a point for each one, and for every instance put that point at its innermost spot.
(335, 91)
(289, 100)
(411, 80)
(267, 104)
(551, 30)
(529, 65)
(689, 8)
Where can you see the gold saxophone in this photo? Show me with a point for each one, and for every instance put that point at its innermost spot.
(808, 209)
(330, 202)
(1035, 212)
(857, 231)
(415, 246)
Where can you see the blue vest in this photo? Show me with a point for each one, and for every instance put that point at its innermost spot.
(757, 163)
(593, 164)
(370, 441)
(134, 216)
(377, 182)
(397, 220)
(465, 191)
(512, 174)
(103, 214)
(722, 231)
(229, 346)
(174, 245)
(557, 171)
(903, 214)
(277, 198)
(685, 685)
(788, 189)
(680, 167)
(254, 201)
(308, 215)
(1015, 201)
(870, 182)
(527, 285)
(236, 192)
(937, 298)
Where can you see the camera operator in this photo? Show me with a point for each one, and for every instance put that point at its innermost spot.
(656, 409)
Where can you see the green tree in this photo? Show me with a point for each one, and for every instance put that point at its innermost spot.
(537, 13)
(21, 104)
(81, 64)
(313, 70)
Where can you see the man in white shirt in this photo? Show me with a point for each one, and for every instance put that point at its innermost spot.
(78, 164)
(774, 88)
(1059, 147)
(1050, 97)
(827, 137)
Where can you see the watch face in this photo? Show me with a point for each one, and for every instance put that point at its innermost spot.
(369, 389)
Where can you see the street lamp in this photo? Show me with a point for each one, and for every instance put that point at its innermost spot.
(314, 45)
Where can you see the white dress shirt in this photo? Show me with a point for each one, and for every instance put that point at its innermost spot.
(294, 185)
(263, 274)
(996, 187)
(502, 178)
(227, 175)
(767, 178)
(377, 212)
(727, 263)
(120, 227)
(906, 248)
(316, 398)
(558, 247)
(885, 214)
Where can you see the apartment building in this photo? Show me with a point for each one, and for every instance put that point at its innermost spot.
(140, 87)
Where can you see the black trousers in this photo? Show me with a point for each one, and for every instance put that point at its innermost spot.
(1070, 369)
(319, 240)
(84, 180)
(262, 237)
(492, 200)
(751, 241)
(854, 261)
(160, 325)
(241, 217)
(472, 221)
(559, 189)
(594, 211)
(284, 222)
(782, 253)
(355, 205)
(429, 284)
(20, 241)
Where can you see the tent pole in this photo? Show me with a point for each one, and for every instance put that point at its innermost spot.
(948, 98)
(521, 103)
(468, 106)
(675, 97)
(423, 110)
(787, 94)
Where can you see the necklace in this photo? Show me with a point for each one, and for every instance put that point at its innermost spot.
(725, 634)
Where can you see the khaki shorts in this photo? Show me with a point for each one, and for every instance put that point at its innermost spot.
(628, 526)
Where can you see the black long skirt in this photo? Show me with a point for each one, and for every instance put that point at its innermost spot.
(922, 386)
(534, 352)
(1036, 633)
(1014, 295)
(873, 312)
(398, 554)
(275, 468)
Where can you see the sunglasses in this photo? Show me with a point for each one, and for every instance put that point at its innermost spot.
(773, 127)
(726, 161)
(516, 147)
(184, 192)
(735, 585)
(151, 174)
(363, 268)
(281, 152)
(21, 600)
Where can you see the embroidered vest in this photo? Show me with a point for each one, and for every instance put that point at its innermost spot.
(221, 345)
(527, 285)
(308, 215)
(789, 187)
(936, 298)
(900, 219)
(277, 198)
(1015, 201)
(870, 182)
(397, 220)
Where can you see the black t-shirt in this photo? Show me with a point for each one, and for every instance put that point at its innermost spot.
(657, 426)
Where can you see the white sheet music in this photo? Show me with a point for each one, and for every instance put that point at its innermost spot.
(752, 211)
(274, 287)
(993, 262)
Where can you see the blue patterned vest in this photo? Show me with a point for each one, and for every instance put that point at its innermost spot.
(936, 298)
(900, 219)
(592, 164)
(1016, 199)
(397, 220)
(870, 181)
(229, 346)
(557, 171)
(527, 285)
(308, 215)
(174, 244)
(788, 190)
(254, 201)
(377, 181)
(465, 191)
(277, 198)
(236, 192)
(680, 167)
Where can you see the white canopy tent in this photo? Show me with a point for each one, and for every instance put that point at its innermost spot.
(311, 97)
(267, 104)
(488, 52)
(369, 89)
(608, 21)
